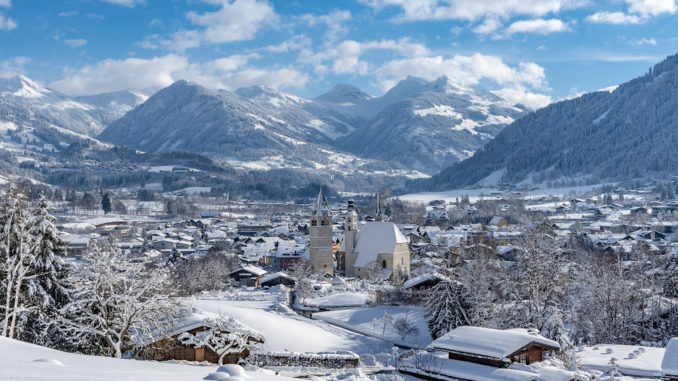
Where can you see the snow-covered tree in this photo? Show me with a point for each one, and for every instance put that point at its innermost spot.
(225, 336)
(32, 269)
(447, 308)
(46, 286)
(115, 298)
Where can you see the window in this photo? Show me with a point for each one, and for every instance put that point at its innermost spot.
(314, 223)
(322, 222)
(349, 228)
(383, 263)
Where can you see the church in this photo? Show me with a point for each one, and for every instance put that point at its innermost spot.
(377, 243)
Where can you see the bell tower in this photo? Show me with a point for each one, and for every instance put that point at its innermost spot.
(350, 227)
(320, 249)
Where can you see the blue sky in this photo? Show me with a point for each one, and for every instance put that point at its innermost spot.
(528, 51)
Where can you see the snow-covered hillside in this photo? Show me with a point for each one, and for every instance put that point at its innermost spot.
(441, 122)
(432, 124)
(22, 361)
(85, 115)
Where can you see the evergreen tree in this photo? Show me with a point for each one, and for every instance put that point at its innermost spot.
(106, 204)
(447, 307)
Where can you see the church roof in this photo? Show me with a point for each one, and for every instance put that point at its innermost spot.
(376, 238)
(322, 208)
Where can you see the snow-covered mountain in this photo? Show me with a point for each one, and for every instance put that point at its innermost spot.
(430, 125)
(418, 124)
(618, 133)
(84, 115)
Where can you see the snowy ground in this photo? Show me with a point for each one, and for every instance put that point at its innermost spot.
(370, 321)
(633, 360)
(287, 331)
(475, 194)
(22, 361)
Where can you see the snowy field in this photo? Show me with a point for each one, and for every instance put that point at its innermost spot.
(477, 194)
(370, 321)
(633, 360)
(22, 361)
(287, 331)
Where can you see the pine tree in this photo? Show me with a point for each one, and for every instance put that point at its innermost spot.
(47, 285)
(106, 203)
(447, 307)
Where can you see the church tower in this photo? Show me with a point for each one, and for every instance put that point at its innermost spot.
(350, 227)
(320, 250)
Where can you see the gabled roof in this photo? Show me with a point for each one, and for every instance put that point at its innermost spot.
(376, 238)
(250, 269)
(488, 342)
(270, 277)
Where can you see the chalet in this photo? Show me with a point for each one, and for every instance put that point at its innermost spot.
(172, 347)
(494, 347)
(77, 245)
(270, 280)
(248, 276)
(670, 361)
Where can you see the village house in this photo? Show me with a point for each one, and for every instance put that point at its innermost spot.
(248, 276)
(495, 347)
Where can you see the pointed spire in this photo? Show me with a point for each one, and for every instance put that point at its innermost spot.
(377, 215)
(322, 207)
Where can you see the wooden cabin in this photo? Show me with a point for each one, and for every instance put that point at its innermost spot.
(495, 347)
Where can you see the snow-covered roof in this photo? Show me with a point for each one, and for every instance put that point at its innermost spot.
(670, 361)
(376, 238)
(489, 342)
(251, 269)
(279, 274)
(422, 279)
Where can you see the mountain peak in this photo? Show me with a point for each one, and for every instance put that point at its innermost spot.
(344, 92)
(21, 86)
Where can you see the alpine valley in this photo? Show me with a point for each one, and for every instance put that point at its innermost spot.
(363, 142)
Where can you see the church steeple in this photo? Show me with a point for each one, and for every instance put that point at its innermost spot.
(320, 245)
(322, 207)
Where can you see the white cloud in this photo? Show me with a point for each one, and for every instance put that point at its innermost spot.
(68, 13)
(489, 25)
(614, 18)
(297, 42)
(538, 26)
(335, 22)
(652, 7)
(75, 43)
(7, 23)
(639, 11)
(346, 57)
(643, 41)
(5, 3)
(125, 3)
(224, 73)
(13, 66)
(471, 10)
(516, 84)
(237, 20)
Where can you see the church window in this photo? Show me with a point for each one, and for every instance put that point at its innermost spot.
(314, 223)
(349, 228)
(322, 222)
(383, 263)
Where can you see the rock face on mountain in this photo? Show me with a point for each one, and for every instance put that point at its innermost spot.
(418, 124)
(626, 132)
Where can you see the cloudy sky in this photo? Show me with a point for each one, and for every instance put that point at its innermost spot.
(528, 51)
